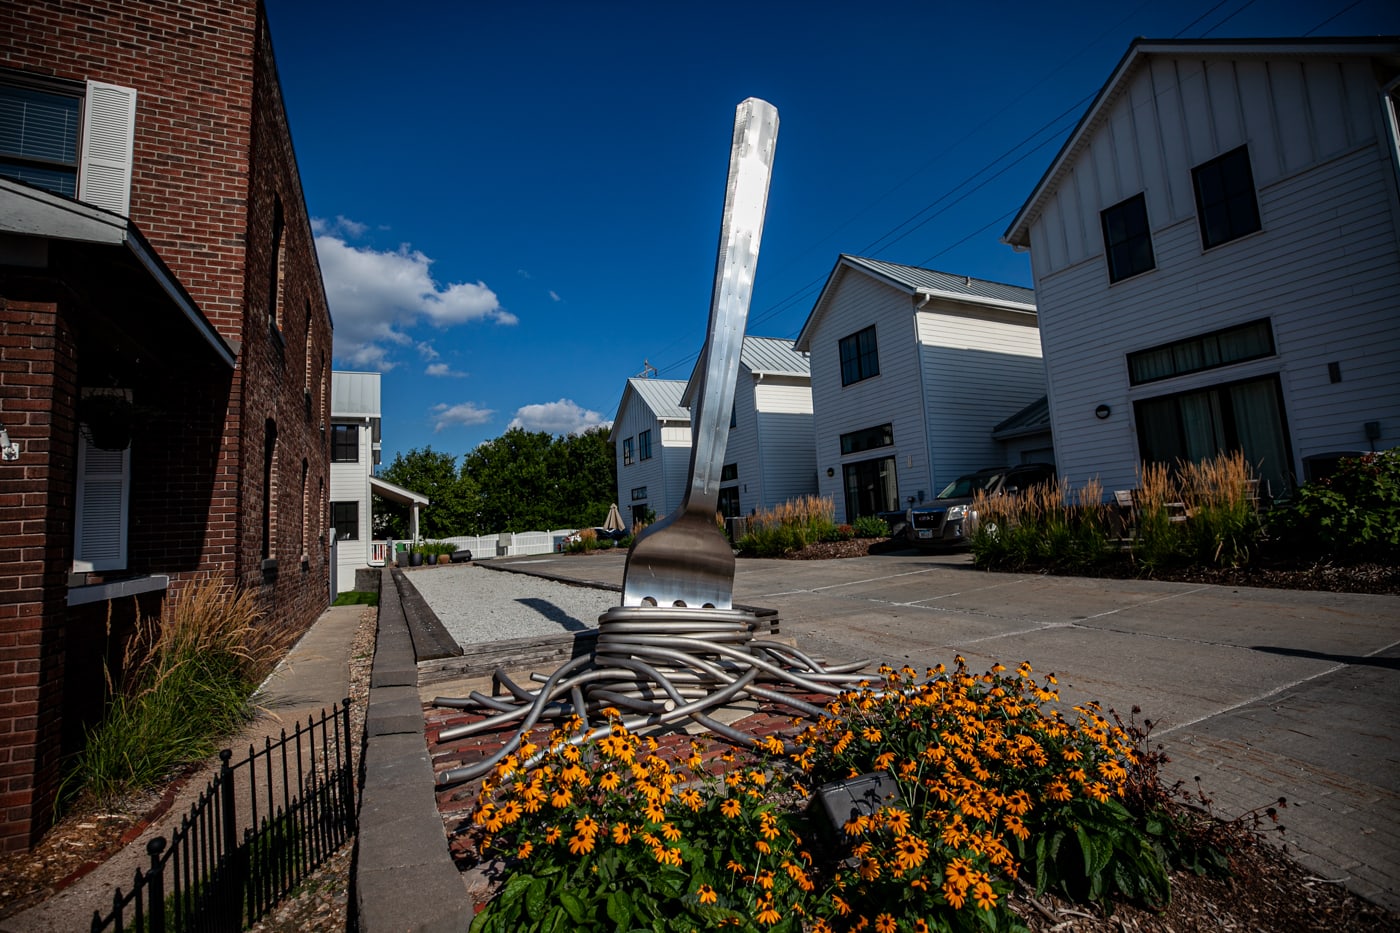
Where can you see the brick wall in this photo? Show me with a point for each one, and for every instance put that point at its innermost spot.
(213, 156)
(37, 385)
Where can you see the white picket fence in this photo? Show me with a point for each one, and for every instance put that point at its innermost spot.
(504, 544)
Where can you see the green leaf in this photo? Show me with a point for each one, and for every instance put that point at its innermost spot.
(620, 909)
(535, 897)
(573, 905)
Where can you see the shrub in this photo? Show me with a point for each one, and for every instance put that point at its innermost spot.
(586, 540)
(871, 526)
(1042, 527)
(185, 686)
(788, 527)
(1354, 512)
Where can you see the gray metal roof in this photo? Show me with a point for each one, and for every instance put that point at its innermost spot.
(354, 395)
(662, 396)
(775, 356)
(1032, 419)
(943, 283)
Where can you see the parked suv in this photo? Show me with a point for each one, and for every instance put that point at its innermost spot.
(944, 521)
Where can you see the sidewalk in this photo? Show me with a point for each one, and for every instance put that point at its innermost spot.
(314, 676)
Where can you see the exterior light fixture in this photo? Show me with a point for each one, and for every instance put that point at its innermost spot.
(830, 471)
(1102, 412)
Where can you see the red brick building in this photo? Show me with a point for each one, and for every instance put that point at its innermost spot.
(165, 351)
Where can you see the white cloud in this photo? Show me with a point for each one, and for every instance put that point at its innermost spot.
(427, 351)
(555, 295)
(442, 369)
(561, 417)
(464, 414)
(376, 296)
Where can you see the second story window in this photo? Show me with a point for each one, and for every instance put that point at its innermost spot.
(627, 454)
(345, 443)
(644, 445)
(1127, 241)
(39, 137)
(859, 357)
(274, 282)
(1225, 201)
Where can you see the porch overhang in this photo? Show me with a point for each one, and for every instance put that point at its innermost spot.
(35, 223)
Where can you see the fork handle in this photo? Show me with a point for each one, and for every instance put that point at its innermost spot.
(741, 229)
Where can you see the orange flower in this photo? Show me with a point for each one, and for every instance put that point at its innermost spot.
(621, 833)
(706, 894)
(884, 923)
(986, 897)
(731, 808)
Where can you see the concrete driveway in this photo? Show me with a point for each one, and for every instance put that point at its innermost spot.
(1261, 693)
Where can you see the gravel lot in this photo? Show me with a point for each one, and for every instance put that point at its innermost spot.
(478, 605)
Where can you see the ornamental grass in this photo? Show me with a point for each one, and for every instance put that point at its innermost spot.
(997, 790)
(789, 526)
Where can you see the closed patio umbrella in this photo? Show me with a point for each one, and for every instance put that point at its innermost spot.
(614, 520)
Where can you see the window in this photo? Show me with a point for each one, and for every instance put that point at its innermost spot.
(269, 490)
(104, 489)
(67, 137)
(644, 445)
(345, 443)
(729, 501)
(627, 455)
(1246, 416)
(1219, 348)
(274, 279)
(639, 493)
(870, 487)
(1225, 201)
(859, 358)
(39, 136)
(345, 520)
(729, 473)
(734, 416)
(867, 439)
(1127, 241)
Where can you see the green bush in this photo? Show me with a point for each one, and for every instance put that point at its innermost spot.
(1355, 512)
(871, 526)
(788, 527)
(184, 686)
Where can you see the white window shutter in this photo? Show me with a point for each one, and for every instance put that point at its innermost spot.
(104, 485)
(109, 125)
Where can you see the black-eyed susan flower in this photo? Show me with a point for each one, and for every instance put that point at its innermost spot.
(706, 894)
(884, 923)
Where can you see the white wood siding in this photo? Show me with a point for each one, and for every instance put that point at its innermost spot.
(350, 483)
(892, 396)
(1325, 270)
(664, 475)
(743, 448)
(788, 464)
(978, 370)
(1177, 113)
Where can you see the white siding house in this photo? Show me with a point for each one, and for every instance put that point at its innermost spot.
(1216, 253)
(651, 434)
(912, 370)
(355, 439)
(769, 457)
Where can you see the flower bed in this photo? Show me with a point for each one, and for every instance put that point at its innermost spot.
(996, 789)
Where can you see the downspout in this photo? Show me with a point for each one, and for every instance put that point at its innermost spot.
(924, 299)
(1392, 123)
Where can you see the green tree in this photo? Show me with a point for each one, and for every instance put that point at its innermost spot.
(584, 473)
(453, 501)
(512, 475)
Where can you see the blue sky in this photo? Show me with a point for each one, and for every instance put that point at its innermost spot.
(517, 205)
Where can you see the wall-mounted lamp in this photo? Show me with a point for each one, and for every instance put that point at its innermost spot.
(9, 450)
(1102, 412)
(830, 471)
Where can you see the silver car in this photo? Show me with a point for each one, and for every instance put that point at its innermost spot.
(944, 521)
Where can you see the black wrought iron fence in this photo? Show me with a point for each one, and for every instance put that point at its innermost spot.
(260, 827)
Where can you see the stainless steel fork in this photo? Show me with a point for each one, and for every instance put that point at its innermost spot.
(684, 560)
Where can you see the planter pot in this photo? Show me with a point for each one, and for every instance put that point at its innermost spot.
(415, 559)
(444, 558)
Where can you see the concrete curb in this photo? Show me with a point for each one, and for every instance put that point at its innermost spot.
(405, 879)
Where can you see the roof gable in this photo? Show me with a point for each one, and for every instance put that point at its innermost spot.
(662, 397)
(1018, 233)
(916, 282)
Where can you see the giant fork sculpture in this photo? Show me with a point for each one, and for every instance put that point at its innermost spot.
(676, 648)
